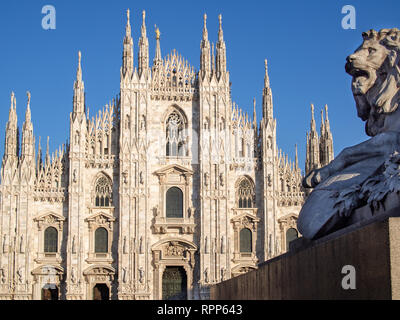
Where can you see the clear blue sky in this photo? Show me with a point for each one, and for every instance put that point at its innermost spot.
(303, 41)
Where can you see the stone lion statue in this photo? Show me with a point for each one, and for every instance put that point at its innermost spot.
(365, 173)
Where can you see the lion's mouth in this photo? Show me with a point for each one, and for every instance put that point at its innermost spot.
(358, 73)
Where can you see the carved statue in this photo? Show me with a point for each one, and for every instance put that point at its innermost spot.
(141, 251)
(5, 244)
(3, 277)
(360, 175)
(20, 275)
(125, 246)
(206, 245)
(73, 279)
(74, 245)
(206, 275)
(206, 178)
(74, 176)
(221, 179)
(141, 275)
(141, 180)
(21, 244)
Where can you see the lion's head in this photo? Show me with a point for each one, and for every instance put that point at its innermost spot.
(375, 68)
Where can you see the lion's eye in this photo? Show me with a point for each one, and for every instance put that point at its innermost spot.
(371, 50)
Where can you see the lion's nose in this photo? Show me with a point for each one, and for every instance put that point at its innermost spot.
(351, 58)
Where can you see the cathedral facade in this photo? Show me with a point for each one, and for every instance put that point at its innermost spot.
(167, 190)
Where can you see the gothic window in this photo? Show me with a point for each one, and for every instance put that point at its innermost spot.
(101, 241)
(246, 194)
(291, 234)
(175, 139)
(103, 192)
(51, 240)
(246, 241)
(174, 203)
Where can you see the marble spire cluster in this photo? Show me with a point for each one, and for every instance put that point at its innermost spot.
(319, 150)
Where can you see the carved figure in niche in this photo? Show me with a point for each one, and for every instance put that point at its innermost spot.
(124, 272)
(22, 245)
(74, 179)
(141, 251)
(141, 275)
(206, 179)
(74, 244)
(20, 275)
(206, 275)
(3, 277)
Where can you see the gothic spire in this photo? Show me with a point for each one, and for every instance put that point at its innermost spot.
(327, 124)
(329, 154)
(221, 51)
(322, 124)
(157, 57)
(313, 146)
(39, 156)
(266, 76)
(205, 51)
(47, 162)
(254, 114)
(268, 110)
(127, 58)
(213, 58)
(28, 145)
(297, 158)
(312, 125)
(28, 109)
(79, 90)
(11, 142)
(143, 47)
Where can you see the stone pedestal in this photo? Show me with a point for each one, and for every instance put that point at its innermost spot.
(313, 270)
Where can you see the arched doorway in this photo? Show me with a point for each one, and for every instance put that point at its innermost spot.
(174, 284)
(50, 292)
(101, 292)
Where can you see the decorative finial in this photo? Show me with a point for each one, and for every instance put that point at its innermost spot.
(158, 33)
(128, 13)
(28, 94)
(205, 20)
(143, 15)
(326, 111)
(220, 21)
(312, 111)
(12, 99)
(79, 57)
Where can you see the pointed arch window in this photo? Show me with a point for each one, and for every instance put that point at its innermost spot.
(246, 195)
(51, 240)
(174, 203)
(101, 241)
(103, 192)
(175, 139)
(246, 241)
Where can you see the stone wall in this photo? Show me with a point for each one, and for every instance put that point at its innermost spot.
(315, 272)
